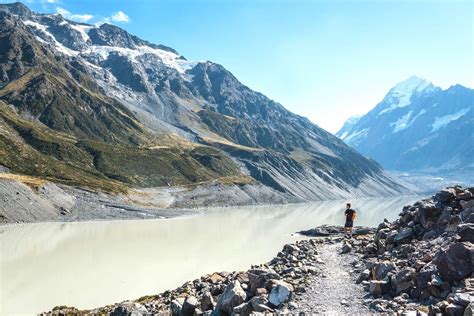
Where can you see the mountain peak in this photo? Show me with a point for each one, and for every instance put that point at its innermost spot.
(401, 94)
(411, 85)
(16, 8)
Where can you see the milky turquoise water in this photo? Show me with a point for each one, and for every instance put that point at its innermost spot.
(90, 264)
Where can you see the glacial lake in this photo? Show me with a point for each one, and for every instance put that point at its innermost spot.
(91, 264)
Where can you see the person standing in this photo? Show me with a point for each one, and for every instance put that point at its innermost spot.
(350, 216)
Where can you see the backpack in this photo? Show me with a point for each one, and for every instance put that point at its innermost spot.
(353, 215)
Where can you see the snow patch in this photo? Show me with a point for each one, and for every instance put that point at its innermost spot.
(83, 30)
(170, 59)
(400, 95)
(59, 47)
(423, 111)
(402, 123)
(442, 121)
(356, 137)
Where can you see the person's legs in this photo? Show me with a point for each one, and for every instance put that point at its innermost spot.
(346, 231)
(350, 231)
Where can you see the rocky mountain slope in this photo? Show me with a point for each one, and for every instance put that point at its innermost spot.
(97, 106)
(417, 127)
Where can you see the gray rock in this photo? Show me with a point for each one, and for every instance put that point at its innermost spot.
(405, 280)
(280, 293)
(177, 306)
(377, 287)
(463, 299)
(346, 248)
(189, 306)
(425, 275)
(466, 232)
(457, 262)
(469, 311)
(207, 302)
(244, 309)
(233, 296)
(405, 235)
(454, 310)
(436, 280)
(363, 276)
(444, 195)
(453, 223)
(380, 270)
(259, 304)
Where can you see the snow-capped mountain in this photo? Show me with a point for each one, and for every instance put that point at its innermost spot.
(103, 84)
(417, 127)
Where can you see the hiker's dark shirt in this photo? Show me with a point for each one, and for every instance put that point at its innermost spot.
(349, 214)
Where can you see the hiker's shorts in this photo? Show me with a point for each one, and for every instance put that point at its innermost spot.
(349, 224)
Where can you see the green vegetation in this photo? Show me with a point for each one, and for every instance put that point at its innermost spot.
(30, 148)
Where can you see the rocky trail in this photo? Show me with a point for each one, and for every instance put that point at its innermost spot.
(334, 291)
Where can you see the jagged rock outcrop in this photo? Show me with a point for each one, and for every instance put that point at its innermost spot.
(424, 256)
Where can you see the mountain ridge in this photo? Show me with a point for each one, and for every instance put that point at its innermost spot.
(153, 94)
(419, 130)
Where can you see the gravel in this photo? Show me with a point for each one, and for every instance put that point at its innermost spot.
(334, 290)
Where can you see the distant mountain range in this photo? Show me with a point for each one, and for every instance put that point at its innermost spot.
(97, 106)
(418, 127)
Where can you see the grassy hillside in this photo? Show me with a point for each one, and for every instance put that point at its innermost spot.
(29, 147)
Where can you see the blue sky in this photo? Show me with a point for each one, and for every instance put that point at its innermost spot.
(326, 60)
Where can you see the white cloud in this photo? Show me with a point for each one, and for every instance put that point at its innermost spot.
(120, 17)
(52, 1)
(75, 17)
(63, 11)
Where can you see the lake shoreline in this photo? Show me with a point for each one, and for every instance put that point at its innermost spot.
(143, 252)
(60, 203)
(421, 262)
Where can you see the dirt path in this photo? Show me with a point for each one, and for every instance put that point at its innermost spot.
(334, 290)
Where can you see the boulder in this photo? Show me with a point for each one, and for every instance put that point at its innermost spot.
(244, 309)
(260, 278)
(391, 237)
(453, 223)
(404, 287)
(436, 280)
(363, 276)
(380, 270)
(346, 248)
(371, 248)
(259, 304)
(405, 235)
(233, 296)
(176, 306)
(216, 278)
(454, 310)
(462, 299)
(445, 195)
(455, 263)
(425, 275)
(405, 280)
(428, 215)
(469, 310)
(464, 195)
(280, 293)
(189, 306)
(207, 302)
(381, 234)
(377, 287)
(466, 232)
(129, 308)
